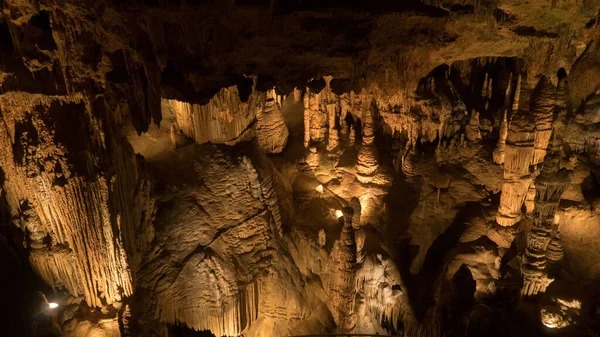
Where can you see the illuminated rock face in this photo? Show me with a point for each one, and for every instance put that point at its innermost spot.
(81, 215)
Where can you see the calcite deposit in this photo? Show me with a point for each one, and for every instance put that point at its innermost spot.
(299, 168)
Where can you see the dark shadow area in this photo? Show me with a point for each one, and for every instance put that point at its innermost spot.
(184, 331)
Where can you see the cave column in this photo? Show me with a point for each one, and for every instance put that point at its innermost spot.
(367, 163)
(345, 290)
(307, 115)
(333, 138)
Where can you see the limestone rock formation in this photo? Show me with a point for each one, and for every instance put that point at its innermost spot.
(271, 131)
(170, 167)
(367, 162)
(225, 119)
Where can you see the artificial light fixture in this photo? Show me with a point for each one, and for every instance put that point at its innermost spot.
(53, 305)
(319, 188)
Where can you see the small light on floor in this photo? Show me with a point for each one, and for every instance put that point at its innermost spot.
(53, 305)
(338, 213)
(319, 188)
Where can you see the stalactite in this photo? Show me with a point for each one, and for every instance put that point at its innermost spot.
(484, 87)
(517, 98)
(224, 119)
(507, 92)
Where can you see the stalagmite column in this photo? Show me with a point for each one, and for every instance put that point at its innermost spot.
(499, 150)
(297, 96)
(344, 290)
(549, 185)
(344, 111)
(333, 139)
(554, 254)
(322, 238)
(367, 155)
(518, 156)
(271, 131)
(343, 125)
(542, 105)
(472, 130)
(306, 118)
(352, 137)
(530, 199)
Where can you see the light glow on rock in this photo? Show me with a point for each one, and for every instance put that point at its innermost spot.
(338, 213)
(319, 188)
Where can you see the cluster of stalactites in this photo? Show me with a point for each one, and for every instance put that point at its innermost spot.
(224, 119)
(322, 111)
(522, 145)
(230, 317)
(498, 154)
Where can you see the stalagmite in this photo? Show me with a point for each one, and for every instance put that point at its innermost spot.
(271, 131)
(352, 137)
(414, 164)
(499, 154)
(343, 125)
(344, 291)
(549, 185)
(367, 163)
(306, 119)
(472, 130)
(333, 137)
(297, 96)
(322, 238)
